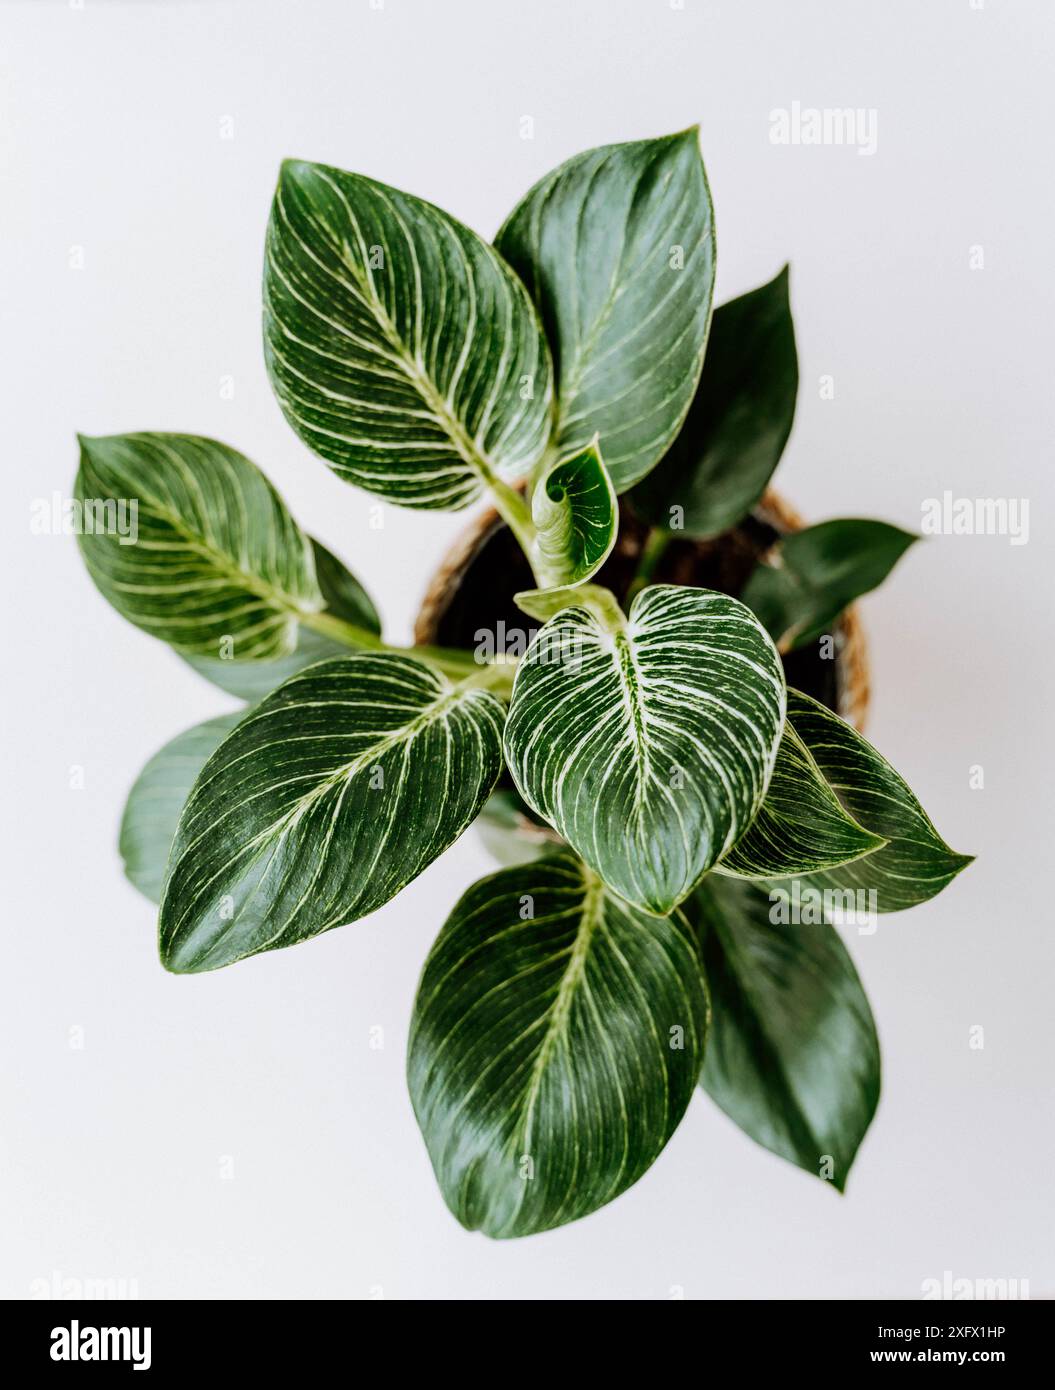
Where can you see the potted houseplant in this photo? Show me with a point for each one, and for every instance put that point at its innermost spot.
(633, 670)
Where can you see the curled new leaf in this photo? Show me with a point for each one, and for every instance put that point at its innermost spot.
(617, 249)
(325, 801)
(576, 518)
(401, 347)
(557, 1037)
(647, 741)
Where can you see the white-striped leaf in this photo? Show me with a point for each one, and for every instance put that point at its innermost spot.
(793, 1056)
(558, 1034)
(218, 560)
(344, 597)
(158, 795)
(648, 742)
(401, 347)
(325, 801)
(801, 825)
(576, 517)
(915, 864)
(617, 249)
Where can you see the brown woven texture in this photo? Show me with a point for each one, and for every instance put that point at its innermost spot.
(851, 650)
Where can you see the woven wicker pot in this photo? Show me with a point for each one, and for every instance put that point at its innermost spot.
(773, 517)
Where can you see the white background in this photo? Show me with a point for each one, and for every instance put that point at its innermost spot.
(110, 1156)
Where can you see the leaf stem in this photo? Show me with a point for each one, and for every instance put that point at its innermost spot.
(655, 547)
(515, 512)
(451, 662)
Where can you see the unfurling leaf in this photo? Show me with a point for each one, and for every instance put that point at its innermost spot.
(617, 249)
(739, 421)
(916, 863)
(218, 560)
(648, 741)
(325, 801)
(814, 574)
(793, 1056)
(401, 347)
(576, 518)
(557, 1037)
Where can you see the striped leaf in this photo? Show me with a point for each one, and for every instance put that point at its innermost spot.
(218, 558)
(617, 249)
(401, 347)
(344, 597)
(576, 517)
(648, 741)
(793, 1056)
(812, 575)
(325, 801)
(558, 1034)
(915, 864)
(158, 794)
(739, 421)
(801, 825)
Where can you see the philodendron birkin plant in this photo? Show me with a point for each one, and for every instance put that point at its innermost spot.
(705, 822)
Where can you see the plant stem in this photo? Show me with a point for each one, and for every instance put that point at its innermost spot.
(656, 543)
(514, 511)
(456, 664)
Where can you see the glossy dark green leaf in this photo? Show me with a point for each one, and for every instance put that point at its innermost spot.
(739, 421)
(915, 864)
(558, 1034)
(217, 559)
(801, 825)
(401, 347)
(325, 801)
(344, 597)
(812, 575)
(576, 517)
(158, 794)
(793, 1056)
(647, 741)
(617, 249)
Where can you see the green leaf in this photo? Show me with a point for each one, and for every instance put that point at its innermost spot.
(648, 742)
(793, 1056)
(217, 557)
(739, 421)
(557, 1037)
(401, 347)
(344, 597)
(801, 825)
(511, 834)
(814, 574)
(325, 801)
(916, 863)
(576, 518)
(157, 797)
(617, 249)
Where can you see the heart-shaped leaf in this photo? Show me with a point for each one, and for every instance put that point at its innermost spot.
(217, 558)
(812, 575)
(738, 423)
(344, 597)
(325, 801)
(576, 518)
(617, 249)
(801, 825)
(916, 863)
(557, 1037)
(648, 742)
(401, 347)
(158, 795)
(793, 1056)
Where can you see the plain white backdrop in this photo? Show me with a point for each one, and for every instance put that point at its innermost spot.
(235, 1134)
